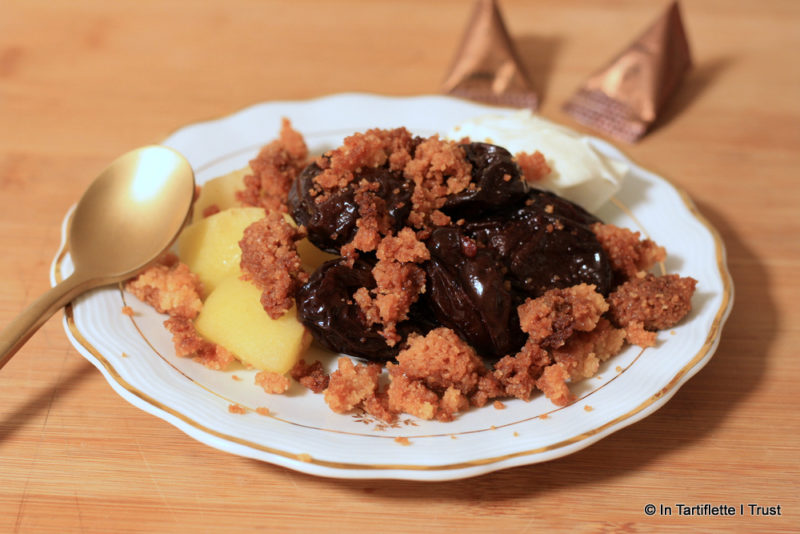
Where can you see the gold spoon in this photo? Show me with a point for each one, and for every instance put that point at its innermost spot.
(126, 219)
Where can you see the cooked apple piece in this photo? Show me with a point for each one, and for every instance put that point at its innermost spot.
(210, 247)
(220, 192)
(232, 317)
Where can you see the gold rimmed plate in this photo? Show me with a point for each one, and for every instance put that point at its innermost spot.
(135, 353)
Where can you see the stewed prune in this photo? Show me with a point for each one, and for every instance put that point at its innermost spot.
(507, 242)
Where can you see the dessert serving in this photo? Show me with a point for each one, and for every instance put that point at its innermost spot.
(447, 271)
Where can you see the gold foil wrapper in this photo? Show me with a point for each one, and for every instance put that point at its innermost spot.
(486, 66)
(625, 98)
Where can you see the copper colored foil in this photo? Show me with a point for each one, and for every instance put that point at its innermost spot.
(625, 98)
(486, 66)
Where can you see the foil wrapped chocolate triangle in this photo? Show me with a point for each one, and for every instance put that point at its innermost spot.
(625, 98)
(486, 66)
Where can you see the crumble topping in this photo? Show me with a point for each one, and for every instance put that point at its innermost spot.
(274, 169)
(399, 282)
(372, 224)
(311, 376)
(351, 385)
(534, 166)
(439, 168)
(270, 261)
(434, 376)
(169, 287)
(582, 354)
(189, 343)
(550, 319)
(628, 253)
(237, 409)
(657, 303)
(570, 331)
(553, 383)
(517, 374)
(370, 149)
(272, 383)
(636, 334)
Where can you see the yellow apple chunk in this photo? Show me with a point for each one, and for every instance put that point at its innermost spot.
(220, 192)
(210, 247)
(232, 317)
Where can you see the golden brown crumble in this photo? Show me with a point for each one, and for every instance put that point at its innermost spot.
(657, 303)
(582, 354)
(534, 166)
(311, 376)
(435, 375)
(404, 247)
(550, 319)
(169, 287)
(398, 283)
(369, 149)
(402, 440)
(517, 374)
(262, 410)
(553, 383)
(440, 359)
(629, 255)
(411, 396)
(439, 168)
(635, 334)
(189, 343)
(127, 310)
(272, 383)
(274, 169)
(351, 385)
(372, 224)
(237, 409)
(270, 261)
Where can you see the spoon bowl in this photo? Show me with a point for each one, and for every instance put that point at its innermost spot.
(125, 220)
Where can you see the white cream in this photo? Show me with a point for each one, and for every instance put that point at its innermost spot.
(578, 171)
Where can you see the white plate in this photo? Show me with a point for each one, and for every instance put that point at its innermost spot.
(135, 354)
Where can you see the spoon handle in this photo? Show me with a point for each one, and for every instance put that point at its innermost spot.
(13, 336)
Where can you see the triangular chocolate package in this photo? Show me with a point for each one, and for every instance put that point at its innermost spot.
(486, 66)
(625, 98)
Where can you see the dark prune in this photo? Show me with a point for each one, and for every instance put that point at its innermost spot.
(331, 223)
(514, 243)
(325, 305)
(466, 292)
(496, 182)
(546, 244)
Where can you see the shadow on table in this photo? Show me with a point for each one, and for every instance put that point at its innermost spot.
(537, 53)
(32, 409)
(694, 413)
(696, 83)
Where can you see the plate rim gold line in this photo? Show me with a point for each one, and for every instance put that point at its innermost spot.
(712, 338)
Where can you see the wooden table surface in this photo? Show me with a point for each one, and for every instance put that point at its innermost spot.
(82, 82)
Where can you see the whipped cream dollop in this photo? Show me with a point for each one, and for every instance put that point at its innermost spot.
(579, 172)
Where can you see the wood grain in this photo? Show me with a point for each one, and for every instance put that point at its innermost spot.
(82, 82)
